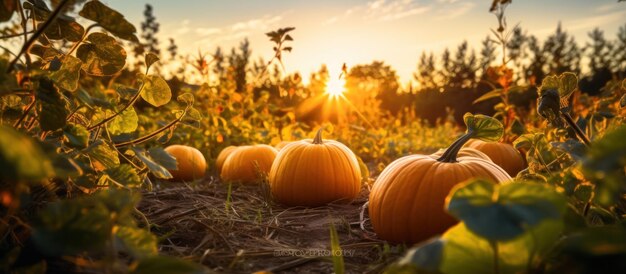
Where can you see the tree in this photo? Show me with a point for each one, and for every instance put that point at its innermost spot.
(487, 55)
(373, 85)
(535, 72)
(598, 52)
(562, 52)
(619, 53)
(238, 62)
(426, 72)
(149, 43)
(516, 49)
(465, 66)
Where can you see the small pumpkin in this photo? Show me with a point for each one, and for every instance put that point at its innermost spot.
(244, 163)
(406, 203)
(219, 162)
(315, 172)
(190, 162)
(465, 152)
(504, 155)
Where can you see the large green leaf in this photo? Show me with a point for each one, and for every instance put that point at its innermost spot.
(503, 212)
(69, 73)
(77, 135)
(109, 19)
(155, 168)
(104, 153)
(126, 122)
(604, 166)
(163, 158)
(568, 83)
(51, 106)
(467, 253)
(483, 127)
(64, 27)
(166, 265)
(102, 55)
(124, 174)
(138, 242)
(21, 158)
(156, 91)
(489, 95)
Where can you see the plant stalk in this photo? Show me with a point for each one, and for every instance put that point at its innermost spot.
(579, 132)
(449, 156)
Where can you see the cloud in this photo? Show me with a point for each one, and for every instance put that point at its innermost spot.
(393, 10)
(259, 23)
(453, 8)
(207, 31)
(184, 28)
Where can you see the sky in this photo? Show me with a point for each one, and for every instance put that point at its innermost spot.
(358, 32)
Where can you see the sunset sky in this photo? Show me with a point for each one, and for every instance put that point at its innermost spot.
(355, 32)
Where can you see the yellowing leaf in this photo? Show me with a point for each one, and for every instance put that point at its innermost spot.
(126, 122)
(156, 91)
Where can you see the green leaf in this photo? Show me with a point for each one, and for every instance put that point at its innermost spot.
(166, 265)
(155, 168)
(21, 158)
(77, 135)
(338, 264)
(64, 27)
(503, 212)
(140, 243)
(69, 73)
(51, 106)
(125, 122)
(110, 20)
(468, 253)
(483, 127)
(102, 55)
(550, 82)
(186, 98)
(604, 166)
(151, 58)
(163, 158)
(104, 153)
(426, 256)
(489, 95)
(71, 227)
(156, 91)
(568, 83)
(7, 9)
(124, 174)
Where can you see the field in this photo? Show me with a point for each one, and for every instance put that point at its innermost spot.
(116, 157)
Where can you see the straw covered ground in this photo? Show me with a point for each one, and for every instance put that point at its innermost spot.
(242, 231)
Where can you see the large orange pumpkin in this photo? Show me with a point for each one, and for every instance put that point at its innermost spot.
(406, 203)
(315, 172)
(219, 162)
(504, 155)
(190, 162)
(465, 152)
(245, 162)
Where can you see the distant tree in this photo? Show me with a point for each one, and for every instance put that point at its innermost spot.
(148, 41)
(465, 66)
(238, 61)
(373, 83)
(535, 72)
(447, 67)
(562, 52)
(598, 52)
(516, 50)
(619, 53)
(487, 55)
(172, 49)
(426, 72)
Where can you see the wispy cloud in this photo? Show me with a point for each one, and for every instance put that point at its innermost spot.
(393, 10)
(184, 27)
(450, 9)
(207, 31)
(258, 23)
(587, 23)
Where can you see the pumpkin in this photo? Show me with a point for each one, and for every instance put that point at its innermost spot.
(190, 163)
(504, 155)
(466, 152)
(282, 144)
(406, 203)
(219, 162)
(315, 172)
(245, 162)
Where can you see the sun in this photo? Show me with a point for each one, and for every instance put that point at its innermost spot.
(335, 87)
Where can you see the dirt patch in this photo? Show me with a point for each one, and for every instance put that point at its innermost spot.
(245, 232)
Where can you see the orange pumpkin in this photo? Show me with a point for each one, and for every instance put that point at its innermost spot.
(282, 144)
(190, 162)
(504, 155)
(219, 162)
(465, 152)
(315, 172)
(406, 203)
(244, 163)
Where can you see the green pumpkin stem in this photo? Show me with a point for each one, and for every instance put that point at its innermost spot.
(318, 137)
(449, 156)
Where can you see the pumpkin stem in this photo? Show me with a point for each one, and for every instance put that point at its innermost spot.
(449, 156)
(318, 137)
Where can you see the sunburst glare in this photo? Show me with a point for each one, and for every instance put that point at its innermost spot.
(335, 87)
